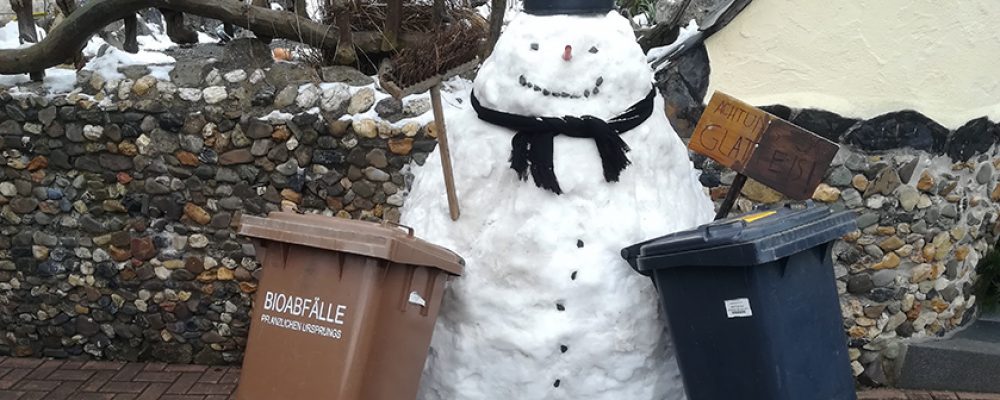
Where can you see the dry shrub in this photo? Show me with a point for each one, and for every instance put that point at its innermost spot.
(451, 48)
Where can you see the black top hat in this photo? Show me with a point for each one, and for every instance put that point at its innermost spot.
(549, 7)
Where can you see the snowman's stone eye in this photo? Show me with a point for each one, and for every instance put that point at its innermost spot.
(534, 46)
(593, 50)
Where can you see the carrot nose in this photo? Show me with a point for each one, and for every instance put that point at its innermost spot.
(568, 53)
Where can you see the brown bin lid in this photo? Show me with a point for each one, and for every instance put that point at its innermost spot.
(381, 240)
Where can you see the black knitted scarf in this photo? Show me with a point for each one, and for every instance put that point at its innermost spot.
(532, 145)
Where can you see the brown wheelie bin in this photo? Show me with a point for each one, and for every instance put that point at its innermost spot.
(344, 311)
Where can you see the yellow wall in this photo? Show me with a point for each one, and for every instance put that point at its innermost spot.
(862, 58)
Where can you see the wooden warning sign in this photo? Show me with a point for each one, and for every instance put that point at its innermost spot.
(759, 145)
(790, 159)
(729, 130)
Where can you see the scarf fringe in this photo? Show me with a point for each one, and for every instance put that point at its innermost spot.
(519, 156)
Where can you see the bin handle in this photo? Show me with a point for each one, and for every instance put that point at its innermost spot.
(409, 230)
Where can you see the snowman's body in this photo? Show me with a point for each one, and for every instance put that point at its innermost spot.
(547, 308)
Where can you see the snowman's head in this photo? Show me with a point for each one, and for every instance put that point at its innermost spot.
(565, 65)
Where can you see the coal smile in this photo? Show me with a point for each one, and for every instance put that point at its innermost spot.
(545, 92)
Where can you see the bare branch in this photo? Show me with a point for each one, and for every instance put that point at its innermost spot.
(497, 10)
(72, 35)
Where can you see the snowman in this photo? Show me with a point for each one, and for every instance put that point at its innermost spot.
(563, 155)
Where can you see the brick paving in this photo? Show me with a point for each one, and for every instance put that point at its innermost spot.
(31, 379)
(893, 394)
(36, 379)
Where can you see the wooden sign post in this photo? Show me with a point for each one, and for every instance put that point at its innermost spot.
(762, 146)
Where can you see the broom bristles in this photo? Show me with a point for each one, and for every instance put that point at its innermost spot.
(447, 50)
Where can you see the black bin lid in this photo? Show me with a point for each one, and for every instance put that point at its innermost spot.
(751, 239)
(572, 7)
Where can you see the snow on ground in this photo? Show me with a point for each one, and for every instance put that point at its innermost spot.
(104, 59)
(158, 41)
(514, 7)
(107, 61)
(57, 80)
(314, 8)
(206, 38)
(8, 40)
(150, 53)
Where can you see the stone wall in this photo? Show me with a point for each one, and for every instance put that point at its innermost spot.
(927, 201)
(119, 201)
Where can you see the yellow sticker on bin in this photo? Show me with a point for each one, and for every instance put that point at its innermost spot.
(756, 217)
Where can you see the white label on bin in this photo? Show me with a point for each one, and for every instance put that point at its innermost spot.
(317, 313)
(416, 299)
(738, 308)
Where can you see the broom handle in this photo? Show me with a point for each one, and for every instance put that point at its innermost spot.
(449, 177)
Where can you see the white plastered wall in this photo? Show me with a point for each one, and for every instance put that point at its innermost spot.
(862, 58)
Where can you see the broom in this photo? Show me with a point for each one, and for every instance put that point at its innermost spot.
(416, 69)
